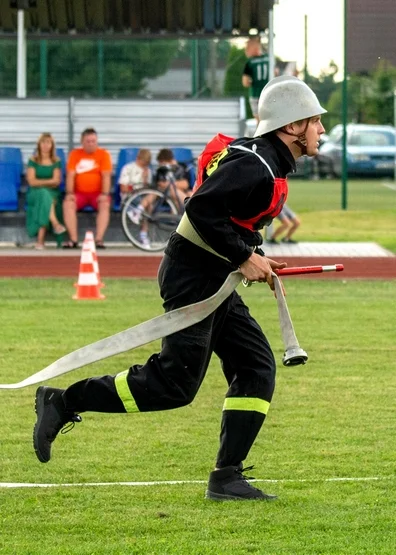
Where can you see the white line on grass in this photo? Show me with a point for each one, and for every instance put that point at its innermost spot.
(389, 185)
(180, 482)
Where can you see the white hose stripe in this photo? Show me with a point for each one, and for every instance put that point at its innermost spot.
(181, 482)
(139, 335)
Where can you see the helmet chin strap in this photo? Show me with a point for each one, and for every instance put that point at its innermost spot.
(301, 143)
(301, 140)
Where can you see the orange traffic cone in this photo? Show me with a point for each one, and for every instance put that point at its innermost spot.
(96, 268)
(89, 243)
(88, 286)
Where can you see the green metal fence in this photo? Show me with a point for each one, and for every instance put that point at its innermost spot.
(179, 68)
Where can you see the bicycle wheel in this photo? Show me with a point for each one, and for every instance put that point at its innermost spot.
(148, 218)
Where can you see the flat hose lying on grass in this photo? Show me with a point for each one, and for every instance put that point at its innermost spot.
(161, 326)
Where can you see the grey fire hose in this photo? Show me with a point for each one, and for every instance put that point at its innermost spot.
(293, 354)
(161, 326)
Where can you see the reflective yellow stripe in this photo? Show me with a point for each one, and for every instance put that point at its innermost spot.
(246, 403)
(124, 392)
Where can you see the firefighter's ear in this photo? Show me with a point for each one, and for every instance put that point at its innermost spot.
(290, 129)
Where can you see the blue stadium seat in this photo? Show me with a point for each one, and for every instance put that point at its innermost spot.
(10, 155)
(125, 156)
(9, 187)
(185, 156)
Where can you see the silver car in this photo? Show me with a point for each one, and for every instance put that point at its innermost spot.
(370, 151)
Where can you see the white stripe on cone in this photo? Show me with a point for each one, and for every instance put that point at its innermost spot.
(88, 278)
(87, 257)
(89, 241)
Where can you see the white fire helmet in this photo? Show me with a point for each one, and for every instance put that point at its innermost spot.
(284, 100)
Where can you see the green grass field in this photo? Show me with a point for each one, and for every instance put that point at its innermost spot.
(370, 214)
(327, 445)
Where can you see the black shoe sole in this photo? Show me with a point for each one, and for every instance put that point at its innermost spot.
(222, 497)
(39, 408)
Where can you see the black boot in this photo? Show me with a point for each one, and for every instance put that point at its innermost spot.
(51, 417)
(230, 483)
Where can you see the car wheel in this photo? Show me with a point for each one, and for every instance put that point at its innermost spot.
(325, 168)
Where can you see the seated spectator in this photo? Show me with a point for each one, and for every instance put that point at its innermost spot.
(44, 207)
(289, 224)
(168, 170)
(88, 183)
(136, 175)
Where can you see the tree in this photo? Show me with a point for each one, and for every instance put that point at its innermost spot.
(233, 79)
(380, 102)
(7, 68)
(73, 66)
(325, 84)
(369, 97)
(324, 87)
(223, 47)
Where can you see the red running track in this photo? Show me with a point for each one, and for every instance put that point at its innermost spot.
(147, 266)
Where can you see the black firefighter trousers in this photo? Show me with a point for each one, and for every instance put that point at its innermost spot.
(171, 378)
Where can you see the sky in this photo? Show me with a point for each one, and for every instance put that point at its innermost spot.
(324, 33)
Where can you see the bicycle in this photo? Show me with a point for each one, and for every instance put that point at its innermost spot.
(149, 216)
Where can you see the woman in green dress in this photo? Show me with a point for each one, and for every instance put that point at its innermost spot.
(44, 207)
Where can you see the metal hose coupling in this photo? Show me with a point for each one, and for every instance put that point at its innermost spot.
(294, 356)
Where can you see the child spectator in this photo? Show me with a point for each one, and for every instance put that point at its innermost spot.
(289, 224)
(168, 170)
(169, 173)
(136, 175)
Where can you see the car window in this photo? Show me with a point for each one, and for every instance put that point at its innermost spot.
(372, 138)
(336, 134)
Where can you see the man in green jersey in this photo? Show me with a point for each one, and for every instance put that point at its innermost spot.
(256, 72)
